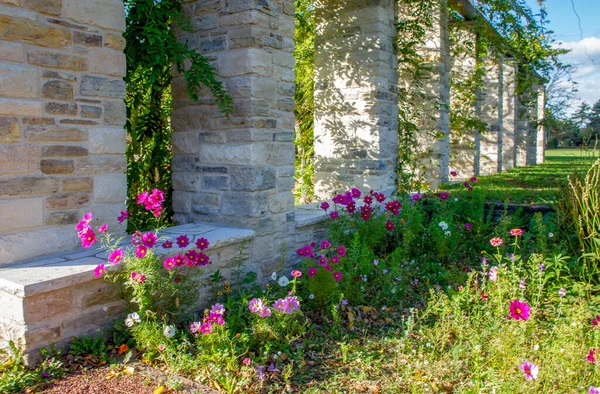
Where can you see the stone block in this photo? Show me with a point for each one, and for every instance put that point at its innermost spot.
(46, 305)
(69, 109)
(114, 112)
(18, 80)
(36, 121)
(84, 122)
(56, 166)
(115, 41)
(54, 134)
(27, 186)
(63, 151)
(34, 33)
(245, 61)
(21, 213)
(87, 39)
(245, 204)
(110, 188)
(107, 61)
(182, 201)
(11, 2)
(59, 75)
(106, 140)
(248, 17)
(12, 51)
(252, 178)
(17, 159)
(243, 154)
(186, 182)
(65, 202)
(58, 90)
(95, 293)
(9, 130)
(56, 60)
(89, 111)
(102, 87)
(61, 218)
(204, 22)
(74, 185)
(107, 14)
(281, 202)
(281, 154)
(215, 182)
(101, 164)
(24, 245)
(185, 143)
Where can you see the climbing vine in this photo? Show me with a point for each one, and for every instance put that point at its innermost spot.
(152, 49)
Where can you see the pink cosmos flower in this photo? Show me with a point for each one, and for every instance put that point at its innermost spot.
(530, 370)
(82, 225)
(324, 205)
(468, 226)
(327, 267)
(183, 241)
(142, 197)
(264, 312)
(116, 256)
(202, 243)
(322, 260)
(260, 370)
(368, 200)
(335, 259)
(515, 232)
(493, 274)
(214, 318)
(453, 173)
(218, 308)
(99, 270)
(139, 278)
(149, 239)
(141, 251)
(292, 303)
(206, 328)
(593, 390)
(87, 237)
(192, 257)
(167, 244)
(596, 321)
(341, 251)
(444, 196)
(562, 292)
(103, 228)
(280, 305)
(195, 327)
(337, 276)
(325, 244)
(255, 305)
(161, 347)
(312, 271)
(156, 197)
(416, 197)
(591, 357)
(296, 273)
(88, 217)
(473, 179)
(169, 263)
(519, 310)
(380, 197)
(333, 215)
(246, 361)
(389, 225)
(203, 260)
(496, 242)
(355, 193)
(123, 216)
(179, 260)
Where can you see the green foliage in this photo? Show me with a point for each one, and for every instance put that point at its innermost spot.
(152, 51)
(89, 346)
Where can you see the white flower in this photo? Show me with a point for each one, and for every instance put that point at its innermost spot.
(311, 296)
(283, 281)
(455, 199)
(550, 235)
(129, 322)
(135, 317)
(443, 225)
(274, 276)
(169, 331)
(447, 233)
(536, 347)
(383, 308)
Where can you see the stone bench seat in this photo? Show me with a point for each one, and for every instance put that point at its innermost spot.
(51, 299)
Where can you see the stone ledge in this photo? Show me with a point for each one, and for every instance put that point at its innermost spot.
(308, 215)
(60, 271)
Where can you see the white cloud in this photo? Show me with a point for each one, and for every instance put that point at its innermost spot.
(585, 55)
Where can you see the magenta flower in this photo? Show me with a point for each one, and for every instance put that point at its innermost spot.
(142, 197)
(87, 237)
(203, 260)
(416, 197)
(167, 244)
(453, 173)
(255, 305)
(591, 357)
(179, 260)
(192, 258)
(496, 242)
(596, 321)
(473, 179)
(123, 216)
(296, 273)
(214, 318)
(169, 263)
(337, 276)
(335, 259)
(280, 305)
(195, 327)
(141, 251)
(218, 308)
(156, 197)
(202, 243)
(264, 312)
(328, 268)
(519, 310)
(325, 244)
(530, 370)
(468, 226)
(322, 260)
(183, 241)
(444, 196)
(82, 225)
(137, 277)
(389, 225)
(246, 361)
(341, 251)
(333, 215)
(324, 205)
(293, 303)
(116, 256)
(161, 347)
(206, 328)
(355, 193)
(351, 207)
(380, 197)
(99, 270)
(149, 239)
(593, 390)
(368, 200)
(312, 271)
(515, 232)
(103, 228)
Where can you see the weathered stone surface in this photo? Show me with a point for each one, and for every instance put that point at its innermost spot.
(110, 188)
(27, 186)
(245, 61)
(73, 185)
(57, 60)
(21, 213)
(19, 246)
(281, 202)
(69, 109)
(252, 178)
(11, 2)
(54, 166)
(89, 111)
(83, 122)
(46, 305)
(54, 134)
(59, 75)
(9, 130)
(101, 164)
(105, 140)
(216, 182)
(29, 121)
(186, 181)
(61, 218)
(67, 202)
(34, 33)
(52, 7)
(107, 61)
(18, 80)
(87, 39)
(114, 112)
(108, 14)
(64, 151)
(58, 90)
(20, 107)
(17, 159)
(115, 41)
(102, 87)
(12, 51)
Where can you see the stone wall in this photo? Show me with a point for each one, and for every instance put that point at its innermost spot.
(509, 111)
(240, 169)
(62, 114)
(356, 95)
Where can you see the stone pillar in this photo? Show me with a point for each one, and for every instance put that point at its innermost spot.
(239, 169)
(522, 131)
(356, 99)
(463, 68)
(541, 130)
(535, 130)
(490, 140)
(62, 140)
(509, 108)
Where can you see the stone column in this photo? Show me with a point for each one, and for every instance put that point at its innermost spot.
(62, 140)
(356, 110)
(535, 131)
(239, 169)
(522, 131)
(490, 140)
(509, 108)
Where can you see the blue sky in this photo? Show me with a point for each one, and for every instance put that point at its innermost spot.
(585, 52)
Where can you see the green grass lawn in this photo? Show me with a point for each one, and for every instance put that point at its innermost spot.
(533, 184)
